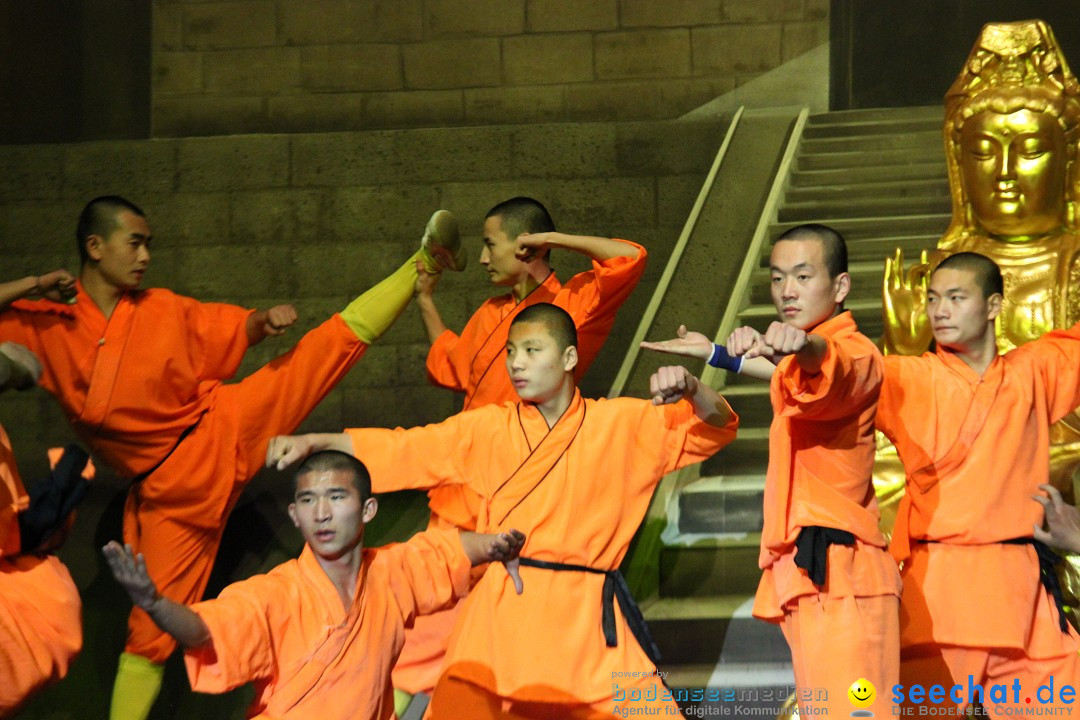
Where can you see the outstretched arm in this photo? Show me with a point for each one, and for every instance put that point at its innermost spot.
(58, 286)
(284, 450)
(261, 324)
(504, 547)
(694, 344)
(178, 620)
(671, 384)
(425, 300)
(1062, 521)
(597, 248)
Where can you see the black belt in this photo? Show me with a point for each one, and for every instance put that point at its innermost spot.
(1047, 560)
(614, 587)
(187, 431)
(812, 549)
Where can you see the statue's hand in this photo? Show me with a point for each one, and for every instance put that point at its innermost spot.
(903, 296)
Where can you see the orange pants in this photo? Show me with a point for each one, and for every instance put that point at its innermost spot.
(948, 665)
(838, 641)
(175, 517)
(455, 699)
(40, 626)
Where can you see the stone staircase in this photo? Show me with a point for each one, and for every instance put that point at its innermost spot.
(879, 177)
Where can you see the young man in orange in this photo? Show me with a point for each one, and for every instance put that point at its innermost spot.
(318, 635)
(827, 578)
(139, 373)
(577, 476)
(40, 610)
(972, 429)
(519, 235)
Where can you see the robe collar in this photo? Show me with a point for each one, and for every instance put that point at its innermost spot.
(545, 452)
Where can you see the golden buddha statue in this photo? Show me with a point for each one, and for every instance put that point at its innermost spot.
(1012, 125)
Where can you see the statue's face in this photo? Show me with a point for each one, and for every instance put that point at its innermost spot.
(1013, 169)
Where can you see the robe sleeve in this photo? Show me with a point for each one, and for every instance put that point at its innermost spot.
(427, 573)
(241, 648)
(422, 457)
(219, 332)
(447, 364)
(20, 323)
(686, 439)
(850, 377)
(895, 383)
(593, 297)
(13, 328)
(1057, 356)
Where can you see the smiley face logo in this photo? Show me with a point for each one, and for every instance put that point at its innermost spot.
(862, 693)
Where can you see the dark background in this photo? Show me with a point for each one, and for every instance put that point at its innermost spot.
(899, 54)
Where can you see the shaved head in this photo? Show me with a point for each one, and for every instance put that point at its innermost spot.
(557, 321)
(987, 273)
(832, 244)
(522, 215)
(333, 460)
(98, 217)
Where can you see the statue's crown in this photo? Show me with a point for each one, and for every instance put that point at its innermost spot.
(1014, 55)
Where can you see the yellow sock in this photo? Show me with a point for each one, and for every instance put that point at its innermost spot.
(372, 314)
(401, 701)
(138, 682)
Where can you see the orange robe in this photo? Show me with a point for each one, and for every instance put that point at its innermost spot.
(131, 385)
(40, 610)
(578, 492)
(309, 655)
(974, 450)
(821, 455)
(473, 363)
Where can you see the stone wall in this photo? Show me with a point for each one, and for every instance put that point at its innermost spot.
(241, 66)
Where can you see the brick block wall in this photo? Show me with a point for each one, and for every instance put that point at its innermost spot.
(242, 66)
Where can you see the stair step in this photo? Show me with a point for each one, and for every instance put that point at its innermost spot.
(923, 188)
(863, 159)
(917, 169)
(926, 143)
(723, 504)
(753, 408)
(718, 630)
(876, 115)
(899, 125)
(710, 566)
(880, 248)
(855, 229)
(862, 208)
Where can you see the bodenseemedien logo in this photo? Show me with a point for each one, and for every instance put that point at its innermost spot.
(862, 694)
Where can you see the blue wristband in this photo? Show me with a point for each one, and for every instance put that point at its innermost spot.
(721, 359)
